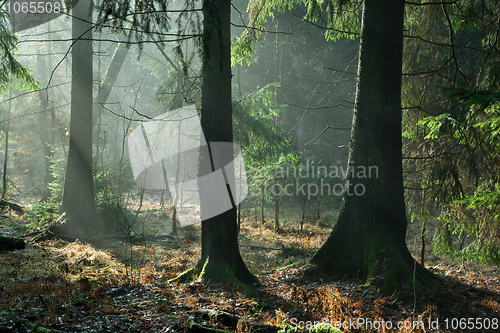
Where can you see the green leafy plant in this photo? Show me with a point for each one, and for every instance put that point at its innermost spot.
(43, 213)
(58, 170)
(324, 328)
(286, 328)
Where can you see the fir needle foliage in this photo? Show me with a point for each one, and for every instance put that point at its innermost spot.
(450, 95)
(343, 21)
(8, 64)
(476, 211)
(143, 18)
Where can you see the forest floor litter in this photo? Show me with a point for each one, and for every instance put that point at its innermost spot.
(111, 286)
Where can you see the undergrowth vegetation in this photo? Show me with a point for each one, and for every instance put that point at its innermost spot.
(121, 284)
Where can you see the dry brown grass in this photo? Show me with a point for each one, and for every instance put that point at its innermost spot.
(265, 249)
(333, 306)
(52, 276)
(76, 260)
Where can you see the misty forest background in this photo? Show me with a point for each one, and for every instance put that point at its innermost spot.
(75, 86)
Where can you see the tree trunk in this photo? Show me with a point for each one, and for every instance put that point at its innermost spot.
(276, 208)
(370, 232)
(106, 86)
(424, 227)
(174, 222)
(6, 152)
(220, 257)
(113, 70)
(239, 217)
(43, 128)
(319, 206)
(78, 198)
(262, 190)
(303, 214)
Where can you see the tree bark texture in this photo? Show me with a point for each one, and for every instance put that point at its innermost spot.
(369, 236)
(220, 259)
(78, 197)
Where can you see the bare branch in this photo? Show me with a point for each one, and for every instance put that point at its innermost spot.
(339, 70)
(429, 157)
(327, 128)
(430, 3)
(326, 28)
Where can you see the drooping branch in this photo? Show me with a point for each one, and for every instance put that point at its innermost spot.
(327, 128)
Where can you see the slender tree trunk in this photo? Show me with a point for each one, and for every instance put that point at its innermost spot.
(370, 232)
(174, 222)
(43, 126)
(239, 205)
(53, 111)
(105, 88)
(78, 198)
(255, 210)
(319, 206)
(115, 65)
(239, 217)
(6, 152)
(424, 227)
(276, 81)
(5, 159)
(220, 257)
(97, 115)
(177, 174)
(262, 188)
(303, 214)
(276, 208)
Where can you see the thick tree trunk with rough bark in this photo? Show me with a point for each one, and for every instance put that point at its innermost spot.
(369, 236)
(220, 259)
(78, 198)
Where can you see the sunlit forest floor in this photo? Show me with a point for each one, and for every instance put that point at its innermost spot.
(111, 286)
